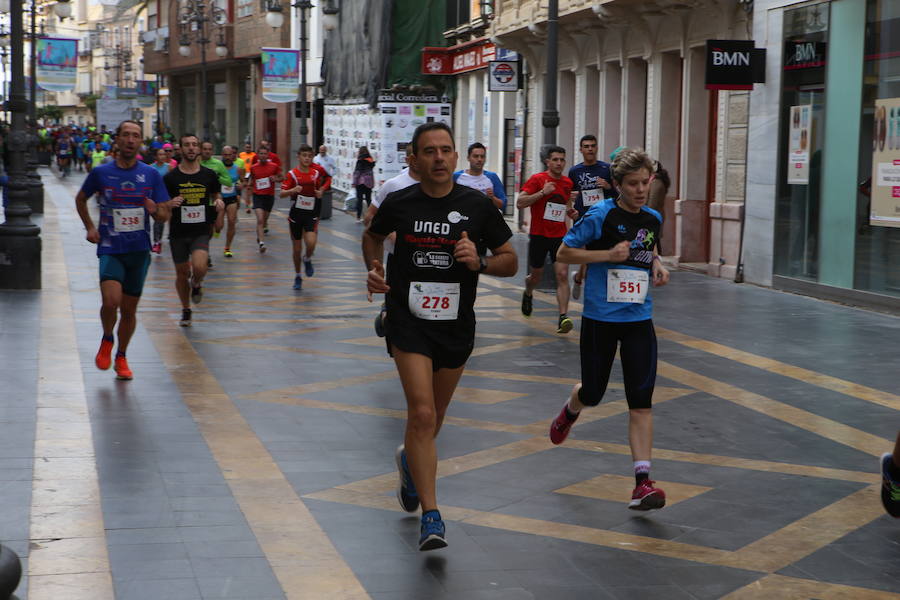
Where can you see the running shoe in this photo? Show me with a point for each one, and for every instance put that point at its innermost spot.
(647, 497)
(196, 294)
(157, 247)
(379, 321)
(890, 489)
(432, 537)
(103, 360)
(298, 282)
(122, 370)
(526, 304)
(229, 253)
(248, 210)
(559, 428)
(308, 267)
(406, 489)
(266, 231)
(185, 317)
(576, 287)
(262, 247)
(565, 324)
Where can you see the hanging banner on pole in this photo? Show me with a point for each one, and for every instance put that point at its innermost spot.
(280, 74)
(57, 63)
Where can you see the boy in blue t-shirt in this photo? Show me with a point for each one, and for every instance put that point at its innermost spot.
(618, 240)
(130, 192)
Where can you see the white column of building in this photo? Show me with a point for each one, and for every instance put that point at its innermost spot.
(654, 104)
(581, 109)
(610, 135)
(461, 111)
(476, 103)
(232, 103)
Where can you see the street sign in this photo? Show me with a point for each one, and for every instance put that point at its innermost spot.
(504, 75)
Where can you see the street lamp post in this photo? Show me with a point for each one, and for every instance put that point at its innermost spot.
(35, 185)
(550, 118)
(275, 18)
(198, 13)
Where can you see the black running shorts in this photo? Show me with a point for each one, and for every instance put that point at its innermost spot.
(302, 223)
(267, 203)
(538, 249)
(637, 349)
(410, 334)
(183, 247)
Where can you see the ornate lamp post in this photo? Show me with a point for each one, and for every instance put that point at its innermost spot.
(20, 242)
(275, 19)
(195, 18)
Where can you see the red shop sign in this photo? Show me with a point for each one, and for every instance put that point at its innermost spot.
(457, 59)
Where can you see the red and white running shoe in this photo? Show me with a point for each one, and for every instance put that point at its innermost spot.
(647, 497)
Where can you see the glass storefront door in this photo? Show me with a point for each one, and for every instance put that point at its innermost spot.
(801, 142)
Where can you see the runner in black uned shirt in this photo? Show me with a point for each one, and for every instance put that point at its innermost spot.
(443, 232)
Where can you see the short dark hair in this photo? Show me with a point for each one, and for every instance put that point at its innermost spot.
(206, 142)
(549, 149)
(119, 128)
(426, 127)
(475, 146)
(587, 138)
(305, 148)
(187, 135)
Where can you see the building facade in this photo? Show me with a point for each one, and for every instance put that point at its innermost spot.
(822, 211)
(633, 74)
(233, 100)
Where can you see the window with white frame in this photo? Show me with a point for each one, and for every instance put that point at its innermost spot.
(244, 8)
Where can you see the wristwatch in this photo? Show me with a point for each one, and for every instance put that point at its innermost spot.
(483, 263)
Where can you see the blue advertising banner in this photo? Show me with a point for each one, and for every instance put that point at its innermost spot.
(57, 63)
(280, 74)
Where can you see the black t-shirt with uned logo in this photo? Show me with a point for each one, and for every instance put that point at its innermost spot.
(197, 212)
(422, 272)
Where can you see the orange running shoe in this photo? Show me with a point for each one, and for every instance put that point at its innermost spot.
(122, 370)
(103, 360)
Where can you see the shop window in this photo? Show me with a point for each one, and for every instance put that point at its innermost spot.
(878, 201)
(801, 141)
(245, 8)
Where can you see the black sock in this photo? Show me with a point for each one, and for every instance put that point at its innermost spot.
(639, 477)
(120, 353)
(109, 338)
(893, 470)
(569, 414)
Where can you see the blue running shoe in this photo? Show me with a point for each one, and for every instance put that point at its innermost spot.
(432, 537)
(890, 489)
(406, 489)
(307, 265)
(298, 283)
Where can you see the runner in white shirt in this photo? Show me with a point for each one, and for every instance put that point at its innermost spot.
(476, 177)
(406, 178)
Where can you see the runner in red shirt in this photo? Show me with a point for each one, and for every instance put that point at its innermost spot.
(549, 196)
(272, 156)
(305, 185)
(264, 176)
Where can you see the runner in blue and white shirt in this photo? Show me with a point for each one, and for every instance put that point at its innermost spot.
(476, 177)
(130, 193)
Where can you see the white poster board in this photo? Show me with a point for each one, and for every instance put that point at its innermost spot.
(799, 142)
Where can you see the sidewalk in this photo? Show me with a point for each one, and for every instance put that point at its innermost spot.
(252, 456)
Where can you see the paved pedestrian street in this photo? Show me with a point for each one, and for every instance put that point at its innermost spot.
(252, 457)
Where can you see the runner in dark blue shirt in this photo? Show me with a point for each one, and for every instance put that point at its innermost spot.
(593, 182)
(130, 193)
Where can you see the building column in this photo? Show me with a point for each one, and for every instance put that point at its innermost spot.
(461, 111)
(610, 134)
(634, 103)
(232, 104)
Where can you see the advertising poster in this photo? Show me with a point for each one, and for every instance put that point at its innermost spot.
(799, 142)
(57, 64)
(280, 74)
(146, 93)
(886, 164)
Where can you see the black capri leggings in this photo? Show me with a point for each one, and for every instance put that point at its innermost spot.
(363, 192)
(599, 340)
